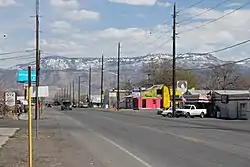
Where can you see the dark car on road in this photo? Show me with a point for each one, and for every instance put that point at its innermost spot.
(66, 105)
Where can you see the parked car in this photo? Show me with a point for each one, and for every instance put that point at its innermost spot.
(159, 112)
(83, 105)
(66, 105)
(74, 105)
(190, 111)
(167, 113)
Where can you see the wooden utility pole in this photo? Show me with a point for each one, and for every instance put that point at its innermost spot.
(102, 81)
(90, 84)
(70, 91)
(118, 76)
(79, 90)
(37, 65)
(73, 89)
(67, 92)
(174, 61)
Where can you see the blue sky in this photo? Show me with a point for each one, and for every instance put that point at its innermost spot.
(73, 28)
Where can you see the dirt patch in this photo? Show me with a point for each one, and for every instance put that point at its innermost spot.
(52, 148)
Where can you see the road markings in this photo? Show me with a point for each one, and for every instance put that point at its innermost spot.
(156, 130)
(173, 134)
(111, 141)
(124, 150)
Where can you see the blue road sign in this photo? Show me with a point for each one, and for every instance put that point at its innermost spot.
(22, 76)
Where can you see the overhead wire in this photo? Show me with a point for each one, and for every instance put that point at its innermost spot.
(218, 18)
(164, 33)
(17, 57)
(192, 5)
(151, 43)
(214, 51)
(16, 52)
(221, 65)
(204, 12)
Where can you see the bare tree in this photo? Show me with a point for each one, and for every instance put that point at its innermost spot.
(222, 77)
(161, 73)
(127, 85)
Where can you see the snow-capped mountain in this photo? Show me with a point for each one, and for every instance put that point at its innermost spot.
(188, 60)
(60, 71)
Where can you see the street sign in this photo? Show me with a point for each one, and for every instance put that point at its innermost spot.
(22, 76)
(10, 99)
(182, 86)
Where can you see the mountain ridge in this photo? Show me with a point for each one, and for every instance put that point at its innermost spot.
(66, 63)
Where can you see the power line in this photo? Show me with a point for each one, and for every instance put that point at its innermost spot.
(214, 51)
(192, 5)
(17, 57)
(204, 12)
(229, 47)
(153, 42)
(16, 52)
(221, 65)
(218, 18)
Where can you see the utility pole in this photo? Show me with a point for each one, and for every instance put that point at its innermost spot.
(90, 83)
(37, 64)
(64, 92)
(70, 91)
(73, 89)
(67, 92)
(174, 61)
(79, 90)
(102, 81)
(118, 76)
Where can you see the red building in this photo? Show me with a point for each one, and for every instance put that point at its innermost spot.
(148, 103)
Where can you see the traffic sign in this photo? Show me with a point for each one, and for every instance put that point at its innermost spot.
(22, 76)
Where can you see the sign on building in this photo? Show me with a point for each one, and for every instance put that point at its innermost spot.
(10, 99)
(136, 92)
(43, 91)
(22, 76)
(182, 86)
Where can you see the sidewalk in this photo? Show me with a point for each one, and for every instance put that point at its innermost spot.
(53, 146)
(5, 134)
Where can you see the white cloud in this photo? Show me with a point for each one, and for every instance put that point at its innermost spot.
(65, 4)
(82, 15)
(164, 4)
(138, 42)
(234, 4)
(4, 3)
(62, 27)
(136, 2)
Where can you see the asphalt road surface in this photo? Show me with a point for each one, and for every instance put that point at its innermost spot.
(146, 140)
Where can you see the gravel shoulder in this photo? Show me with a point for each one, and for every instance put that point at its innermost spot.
(53, 147)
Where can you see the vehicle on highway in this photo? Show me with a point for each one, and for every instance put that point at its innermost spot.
(83, 105)
(159, 112)
(190, 111)
(167, 113)
(74, 105)
(66, 105)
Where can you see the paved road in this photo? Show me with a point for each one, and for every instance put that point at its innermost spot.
(146, 140)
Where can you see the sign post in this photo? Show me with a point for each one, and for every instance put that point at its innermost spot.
(30, 120)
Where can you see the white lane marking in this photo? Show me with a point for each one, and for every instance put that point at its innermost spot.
(156, 130)
(111, 142)
(124, 150)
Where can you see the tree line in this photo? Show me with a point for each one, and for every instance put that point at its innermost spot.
(213, 78)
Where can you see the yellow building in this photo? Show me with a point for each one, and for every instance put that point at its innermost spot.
(160, 91)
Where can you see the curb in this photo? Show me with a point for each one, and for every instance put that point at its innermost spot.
(5, 137)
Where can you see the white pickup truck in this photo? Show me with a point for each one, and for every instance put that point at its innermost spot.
(190, 111)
